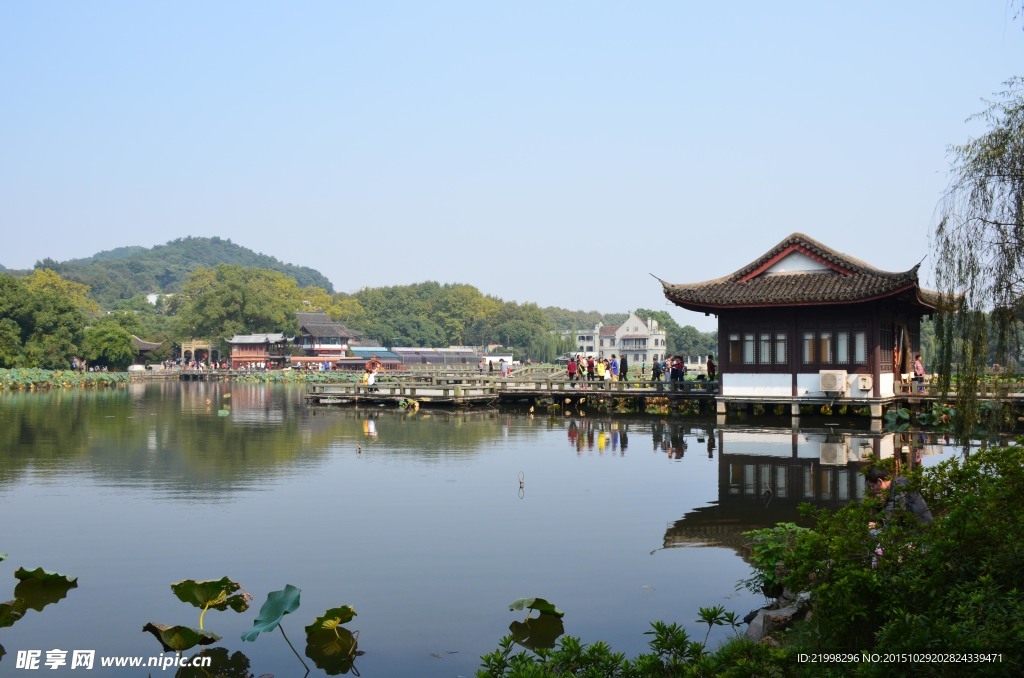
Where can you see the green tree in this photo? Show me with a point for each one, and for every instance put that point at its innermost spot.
(979, 248)
(46, 315)
(10, 342)
(228, 300)
(547, 346)
(108, 344)
(127, 271)
(46, 282)
(347, 309)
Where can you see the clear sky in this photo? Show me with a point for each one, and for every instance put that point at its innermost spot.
(550, 152)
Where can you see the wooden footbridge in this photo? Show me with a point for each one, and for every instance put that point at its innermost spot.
(469, 388)
(546, 385)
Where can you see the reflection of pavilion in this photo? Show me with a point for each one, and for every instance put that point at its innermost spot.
(764, 475)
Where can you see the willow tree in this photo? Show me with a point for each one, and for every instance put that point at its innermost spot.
(979, 248)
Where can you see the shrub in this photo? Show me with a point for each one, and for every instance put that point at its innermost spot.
(954, 586)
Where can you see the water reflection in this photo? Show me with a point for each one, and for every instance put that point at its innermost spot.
(394, 512)
(600, 436)
(207, 440)
(764, 475)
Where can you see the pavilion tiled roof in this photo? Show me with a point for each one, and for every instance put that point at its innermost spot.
(321, 325)
(271, 338)
(841, 279)
(142, 345)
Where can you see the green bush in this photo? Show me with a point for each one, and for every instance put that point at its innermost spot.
(953, 586)
(673, 653)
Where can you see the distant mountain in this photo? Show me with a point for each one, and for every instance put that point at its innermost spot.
(125, 272)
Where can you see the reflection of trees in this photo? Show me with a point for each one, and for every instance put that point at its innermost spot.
(211, 437)
(51, 430)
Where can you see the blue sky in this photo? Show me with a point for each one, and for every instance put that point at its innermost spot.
(551, 152)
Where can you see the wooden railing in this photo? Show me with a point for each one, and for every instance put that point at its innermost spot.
(540, 382)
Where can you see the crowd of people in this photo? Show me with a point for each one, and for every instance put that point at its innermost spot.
(585, 370)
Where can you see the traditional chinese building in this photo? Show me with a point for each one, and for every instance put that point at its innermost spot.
(256, 350)
(804, 323)
(321, 339)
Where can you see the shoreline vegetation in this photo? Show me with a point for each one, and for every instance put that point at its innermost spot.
(38, 379)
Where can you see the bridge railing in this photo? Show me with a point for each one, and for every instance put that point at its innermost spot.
(449, 385)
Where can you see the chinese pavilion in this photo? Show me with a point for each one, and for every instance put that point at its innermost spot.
(804, 323)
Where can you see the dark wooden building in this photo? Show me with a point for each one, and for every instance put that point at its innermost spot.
(804, 323)
(321, 339)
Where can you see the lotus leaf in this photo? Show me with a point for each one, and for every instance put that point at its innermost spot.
(332, 618)
(539, 604)
(279, 603)
(539, 633)
(180, 638)
(40, 574)
(235, 665)
(331, 648)
(11, 611)
(212, 594)
(38, 593)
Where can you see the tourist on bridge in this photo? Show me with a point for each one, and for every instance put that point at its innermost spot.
(712, 368)
(623, 368)
(677, 372)
(656, 373)
(919, 373)
(614, 366)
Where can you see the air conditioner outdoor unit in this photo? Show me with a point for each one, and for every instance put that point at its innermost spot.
(832, 381)
(833, 454)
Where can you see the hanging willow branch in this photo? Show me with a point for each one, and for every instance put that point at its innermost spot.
(979, 248)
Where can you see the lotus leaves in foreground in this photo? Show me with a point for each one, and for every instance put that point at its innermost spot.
(217, 594)
(235, 665)
(332, 648)
(279, 603)
(538, 604)
(38, 592)
(539, 633)
(180, 638)
(41, 575)
(11, 611)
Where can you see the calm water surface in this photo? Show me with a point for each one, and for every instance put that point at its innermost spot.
(417, 521)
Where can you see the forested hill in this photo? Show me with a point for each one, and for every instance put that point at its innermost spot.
(125, 272)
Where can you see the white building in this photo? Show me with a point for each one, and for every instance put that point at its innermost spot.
(641, 341)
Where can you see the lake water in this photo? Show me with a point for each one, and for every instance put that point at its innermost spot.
(428, 524)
